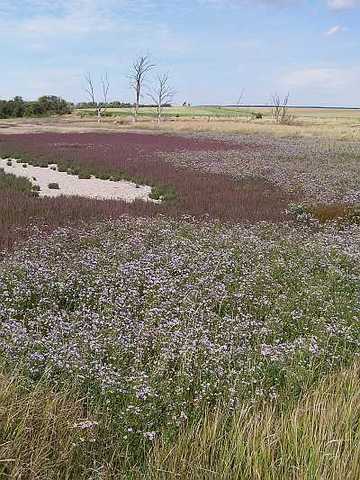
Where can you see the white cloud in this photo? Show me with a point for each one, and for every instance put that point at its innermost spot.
(53, 18)
(275, 3)
(334, 30)
(322, 78)
(343, 4)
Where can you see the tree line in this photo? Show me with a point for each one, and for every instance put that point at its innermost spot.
(45, 105)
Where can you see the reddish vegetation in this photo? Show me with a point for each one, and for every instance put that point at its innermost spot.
(135, 156)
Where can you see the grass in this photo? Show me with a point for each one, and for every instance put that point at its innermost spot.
(48, 434)
(326, 213)
(334, 124)
(342, 129)
(12, 183)
(174, 112)
(343, 124)
(315, 438)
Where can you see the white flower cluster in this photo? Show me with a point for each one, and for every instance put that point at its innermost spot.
(158, 318)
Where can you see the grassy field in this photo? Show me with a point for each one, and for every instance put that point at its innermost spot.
(315, 114)
(213, 336)
(176, 112)
(335, 124)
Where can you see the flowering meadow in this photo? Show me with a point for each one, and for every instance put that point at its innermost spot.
(315, 170)
(212, 335)
(135, 157)
(157, 320)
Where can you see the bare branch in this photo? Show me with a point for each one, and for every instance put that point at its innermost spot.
(161, 94)
(241, 97)
(90, 90)
(137, 77)
(280, 109)
(105, 86)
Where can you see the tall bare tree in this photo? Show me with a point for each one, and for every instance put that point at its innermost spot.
(90, 90)
(161, 94)
(280, 108)
(242, 93)
(239, 100)
(137, 77)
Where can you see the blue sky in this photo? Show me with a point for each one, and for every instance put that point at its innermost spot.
(212, 49)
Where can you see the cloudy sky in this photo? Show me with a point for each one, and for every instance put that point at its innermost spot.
(212, 49)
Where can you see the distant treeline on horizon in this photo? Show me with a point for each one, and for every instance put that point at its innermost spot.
(46, 105)
(53, 105)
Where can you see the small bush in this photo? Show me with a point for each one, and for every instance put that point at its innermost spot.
(166, 192)
(300, 213)
(104, 176)
(24, 165)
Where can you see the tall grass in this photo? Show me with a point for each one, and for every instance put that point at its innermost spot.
(316, 438)
(12, 183)
(36, 439)
(48, 434)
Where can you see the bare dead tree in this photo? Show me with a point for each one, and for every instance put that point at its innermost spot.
(280, 109)
(105, 87)
(240, 97)
(90, 90)
(161, 94)
(238, 103)
(137, 77)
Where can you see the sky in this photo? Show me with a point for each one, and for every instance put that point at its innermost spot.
(211, 49)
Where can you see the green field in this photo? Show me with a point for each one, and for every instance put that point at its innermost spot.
(177, 112)
(230, 112)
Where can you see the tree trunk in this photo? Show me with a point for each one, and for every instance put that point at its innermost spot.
(137, 104)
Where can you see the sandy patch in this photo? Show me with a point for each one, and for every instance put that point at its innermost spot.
(73, 185)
